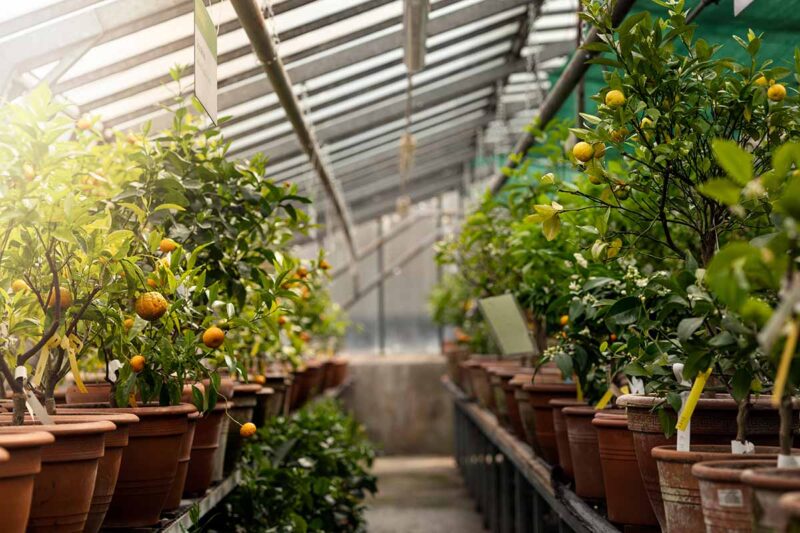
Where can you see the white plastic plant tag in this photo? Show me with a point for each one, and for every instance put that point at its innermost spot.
(21, 373)
(742, 448)
(787, 461)
(113, 367)
(37, 409)
(677, 369)
(637, 385)
(684, 436)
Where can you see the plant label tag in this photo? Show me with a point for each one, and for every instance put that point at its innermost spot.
(787, 461)
(684, 435)
(742, 448)
(730, 498)
(113, 366)
(36, 409)
(637, 385)
(20, 373)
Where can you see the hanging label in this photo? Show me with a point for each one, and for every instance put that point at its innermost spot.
(36, 409)
(205, 60)
(113, 367)
(600, 405)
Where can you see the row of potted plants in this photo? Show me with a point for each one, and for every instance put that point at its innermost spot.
(654, 250)
(153, 315)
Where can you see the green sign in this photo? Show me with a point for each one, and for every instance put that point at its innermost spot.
(507, 325)
(205, 60)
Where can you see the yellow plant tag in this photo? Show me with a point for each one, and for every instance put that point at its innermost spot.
(625, 389)
(578, 389)
(691, 401)
(38, 374)
(785, 363)
(604, 400)
(73, 345)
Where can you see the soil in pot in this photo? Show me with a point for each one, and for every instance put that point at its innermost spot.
(584, 450)
(713, 422)
(539, 396)
(63, 490)
(17, 474)
(207, 437)
(679, 488)
(244, 402)
(560, 429)
(726, 501)
(767, 486)
(149, 462)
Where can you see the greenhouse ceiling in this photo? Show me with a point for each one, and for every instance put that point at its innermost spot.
(484, 58)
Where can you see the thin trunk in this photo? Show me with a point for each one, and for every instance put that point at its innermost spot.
(741, 419)
(19, 408)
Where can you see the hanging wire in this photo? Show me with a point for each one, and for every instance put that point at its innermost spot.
(408, 147)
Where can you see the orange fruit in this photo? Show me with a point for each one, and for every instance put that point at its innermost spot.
(151, 306)
(213, 337)
(84, 123)
(583, 151)
(282, 320)
(615, 98)
(776, 93)
(619, 135)
(304, 336)
(247, 430)
(302, 272)
(599, 150)
(761, 81)
(137, 363)
(66, 298)
(19, 285)
(28, 172)
(261, 380)
(128, 323)
(612, 337)
(324, 265)
(564, 320)
(152, 283)
(167, 245)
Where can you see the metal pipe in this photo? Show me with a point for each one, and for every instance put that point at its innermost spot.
(252, 21)
(569, 79)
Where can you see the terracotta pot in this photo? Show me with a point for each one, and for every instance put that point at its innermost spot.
(207, 436)
(455, 357)
(526, 416)
(560, 430)
(790, 506)
(95, 393)
(767, 486)
(327, 374)
(726, 501)
(626, 499)
(63, 490)
(175, 494)
(499, 376)
(219, 455)
(679, 488)
(713, 422)
(280, 383)
(539, 395)
(17, 476)
(480, 380)
(260, 411)
(301, 386)
(341, 367)
(4, 456)
(316, 376)
(149, 463)
(244, 402)
(109, 465)
(510, 387)
(584, 450)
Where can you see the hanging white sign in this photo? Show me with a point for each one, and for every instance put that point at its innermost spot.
(205, 60)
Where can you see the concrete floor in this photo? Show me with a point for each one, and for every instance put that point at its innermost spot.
(421, 495)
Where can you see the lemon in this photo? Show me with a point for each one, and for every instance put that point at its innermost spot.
(582, 151)
(615, 98)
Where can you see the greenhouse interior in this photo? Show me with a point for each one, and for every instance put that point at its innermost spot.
(400, 266)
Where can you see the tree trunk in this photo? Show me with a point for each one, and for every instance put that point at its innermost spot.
(19, 409)
(786, 425)
(741, 419)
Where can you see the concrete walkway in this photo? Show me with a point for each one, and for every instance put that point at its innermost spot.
(421, 495)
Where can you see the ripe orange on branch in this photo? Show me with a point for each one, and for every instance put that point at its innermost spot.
(247, 430)
(66, 298)
(213, 337)
(151, 306)
(167, 245)
(137, 363)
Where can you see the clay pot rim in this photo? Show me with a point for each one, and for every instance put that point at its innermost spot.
(4, 456)
(725, 402)
(764, 478)
(142, 411)
(725, 472)
(579, 410)
(610, 422)
(565, 402)
(245, 388)
(117, 418)
(505, 371)
(705, 452)
(86, 427)
(549, 387)
(265, 391)
(28, 439)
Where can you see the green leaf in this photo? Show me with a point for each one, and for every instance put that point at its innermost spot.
(737, 162)
(724, 191)
(688, 326)
(625, 311)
